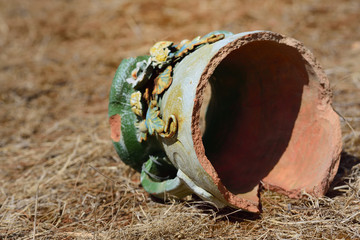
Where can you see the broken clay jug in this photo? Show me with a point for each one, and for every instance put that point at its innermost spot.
(222, 114)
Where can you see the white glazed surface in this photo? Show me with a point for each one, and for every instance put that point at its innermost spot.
(179, 101)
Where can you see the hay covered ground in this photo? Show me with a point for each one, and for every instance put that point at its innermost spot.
(60, 177)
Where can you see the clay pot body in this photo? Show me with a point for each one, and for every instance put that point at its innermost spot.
(251, 109)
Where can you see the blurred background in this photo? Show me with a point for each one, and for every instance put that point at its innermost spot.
(59, 174)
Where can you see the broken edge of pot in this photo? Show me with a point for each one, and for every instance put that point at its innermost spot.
(251, 201)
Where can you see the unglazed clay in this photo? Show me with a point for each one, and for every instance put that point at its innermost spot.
(219, 115)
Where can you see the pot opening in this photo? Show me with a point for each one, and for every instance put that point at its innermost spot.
(257, 118)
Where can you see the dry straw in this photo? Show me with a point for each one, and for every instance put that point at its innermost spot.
(59, 175)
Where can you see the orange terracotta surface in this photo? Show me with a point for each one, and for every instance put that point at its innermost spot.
(280, 130)
(115, 126)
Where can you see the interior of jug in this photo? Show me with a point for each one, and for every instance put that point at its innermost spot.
(263, 120)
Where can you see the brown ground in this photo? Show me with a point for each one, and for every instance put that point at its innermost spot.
(60, 176)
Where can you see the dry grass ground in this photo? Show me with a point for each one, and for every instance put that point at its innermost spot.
(60, 177)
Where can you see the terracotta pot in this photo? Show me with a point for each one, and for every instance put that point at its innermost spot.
(251, 109)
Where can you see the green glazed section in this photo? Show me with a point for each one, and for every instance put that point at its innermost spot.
(130, 151)
(159, 189)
